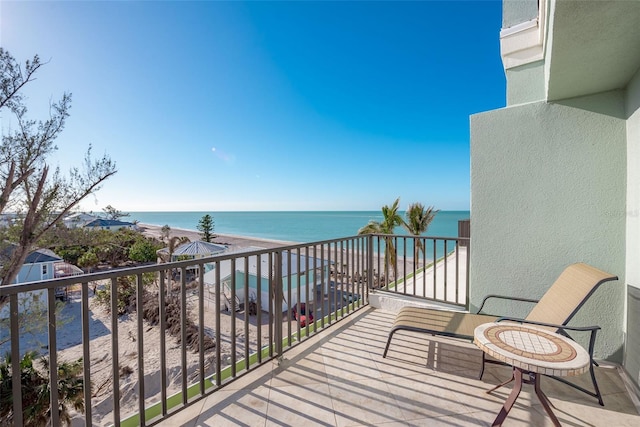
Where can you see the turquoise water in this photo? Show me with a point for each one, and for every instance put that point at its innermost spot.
(302, 227)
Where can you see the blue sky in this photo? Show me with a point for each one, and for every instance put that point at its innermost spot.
(222, 106)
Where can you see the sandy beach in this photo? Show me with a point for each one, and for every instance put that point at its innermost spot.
(69, 338)
(234, 242)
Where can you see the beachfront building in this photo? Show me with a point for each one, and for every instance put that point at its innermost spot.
(78, 219)
(299, 274)
(555, 176)
(39, 265)
(109, 224)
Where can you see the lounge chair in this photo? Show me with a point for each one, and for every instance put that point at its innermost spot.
(553, 311)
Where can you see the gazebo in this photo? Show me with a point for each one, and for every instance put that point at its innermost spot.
(195, 250)
(192, 250)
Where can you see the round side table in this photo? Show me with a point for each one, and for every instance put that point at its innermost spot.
(531, 351)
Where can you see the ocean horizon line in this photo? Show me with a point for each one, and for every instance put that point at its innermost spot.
(277, 211)
(289, 226)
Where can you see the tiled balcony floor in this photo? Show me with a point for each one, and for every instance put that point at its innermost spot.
(339, 378)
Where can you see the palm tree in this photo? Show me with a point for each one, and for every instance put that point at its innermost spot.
(391, 219)
(36, 391)
(172, 244)
(167, 253)
(417, 223)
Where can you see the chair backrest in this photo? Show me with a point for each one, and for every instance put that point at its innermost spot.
(568, 293)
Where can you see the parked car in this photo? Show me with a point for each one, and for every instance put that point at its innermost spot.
(300, 310)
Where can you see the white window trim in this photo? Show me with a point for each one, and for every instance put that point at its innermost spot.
(524, 42)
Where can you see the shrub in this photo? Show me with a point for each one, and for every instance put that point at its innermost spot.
(126, 288)
(143, 250)
(36, 399)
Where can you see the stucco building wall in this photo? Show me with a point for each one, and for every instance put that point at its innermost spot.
(632, 338)
(633, 180)
(547, 190)
(525, 83)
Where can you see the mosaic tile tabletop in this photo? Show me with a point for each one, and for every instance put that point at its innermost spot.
(532, 349)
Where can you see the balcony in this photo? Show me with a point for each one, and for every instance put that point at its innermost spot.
(339, 378)
(241, 352)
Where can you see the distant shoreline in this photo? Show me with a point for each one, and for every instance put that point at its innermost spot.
(231, 240)
(299, 227)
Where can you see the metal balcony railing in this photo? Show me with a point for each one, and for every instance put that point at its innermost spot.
(430, 268)
(229, 314)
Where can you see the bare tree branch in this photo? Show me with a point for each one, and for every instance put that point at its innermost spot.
(42, 198)
(12, 80)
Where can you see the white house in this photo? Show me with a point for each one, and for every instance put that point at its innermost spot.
(78, 219)
(297, 272)
(39, 265)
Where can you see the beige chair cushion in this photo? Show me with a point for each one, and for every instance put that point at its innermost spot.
(440, 322)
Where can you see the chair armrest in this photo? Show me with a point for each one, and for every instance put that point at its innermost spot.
(551, 325)
(561, 329)
(488, 297)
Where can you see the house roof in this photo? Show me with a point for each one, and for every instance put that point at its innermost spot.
(35, 257)
(79, 215)
(42, 255)
(297, 266)
(100, 222)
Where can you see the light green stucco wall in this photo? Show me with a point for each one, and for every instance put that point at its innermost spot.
(517, 11)
(631, 361)
(548, 188)
(525, 83)
(633, 181)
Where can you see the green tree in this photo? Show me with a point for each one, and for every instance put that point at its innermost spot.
(391, 219)
(36, 401)
(127, 286)
(88, 260)
(174, 242)
(71, 254)
(126, 295)
(417, 223)
(206, 226)
(113, 247)
(143, 250)
(112, 213)
(40, 196)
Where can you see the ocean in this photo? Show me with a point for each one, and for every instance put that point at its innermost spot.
(301, 227)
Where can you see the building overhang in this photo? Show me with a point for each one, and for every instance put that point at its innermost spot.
(592, 47)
